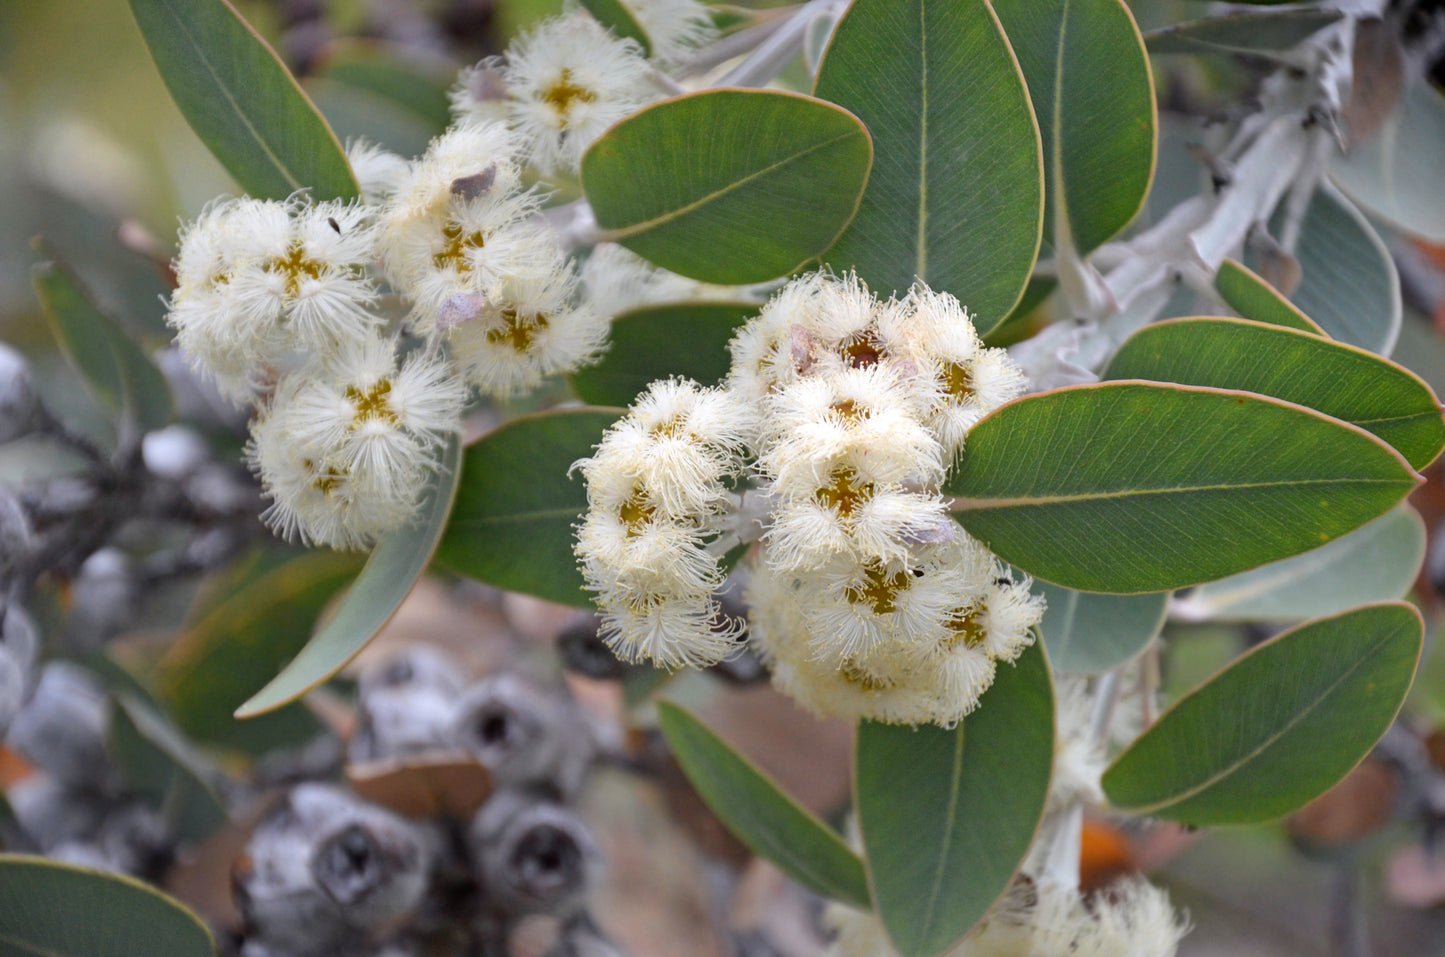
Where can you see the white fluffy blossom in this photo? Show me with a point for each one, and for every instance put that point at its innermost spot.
(261, 282)
(378, 171)
(1132, 918)
(559, 87)
(344, 447)
(674, 28)
(461, 241)
(658, 498)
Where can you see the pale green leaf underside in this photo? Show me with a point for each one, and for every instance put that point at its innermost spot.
(242, 101)
(1088, 633)
(393, 568)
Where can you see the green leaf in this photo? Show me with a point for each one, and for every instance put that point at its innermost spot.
(687, 339)
(1128, 487)
(241, 642)
(1093, 92)
(391, 571)
(1341, 381)
(1376, 563)
(48, 909)
(1396, 173)
(1257, 33)
(614, 15)
(1350, 286)
(389, 73)
(1088, 633)
(160, 764)
(112, 365)
(1248, 294)
(947, 815)
(355, 113)
(512, 524)
(762, 816)
(729, 186)
(1278, 727)
(957, 193)
(242, 101)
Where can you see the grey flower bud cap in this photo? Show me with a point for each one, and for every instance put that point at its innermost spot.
(19, 402)
(19, 642)
(532, 857)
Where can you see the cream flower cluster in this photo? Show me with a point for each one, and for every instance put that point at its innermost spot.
(866, 599)
(561, 84)
(658, 490)
(1132, 918)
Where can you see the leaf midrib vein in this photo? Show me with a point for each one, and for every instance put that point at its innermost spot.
(672, 215)
(967, 504)
(200, 53)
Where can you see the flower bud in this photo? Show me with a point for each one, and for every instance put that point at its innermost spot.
(19, 402)
(62, 729)
(14, 535)
(18, 643)
(531, 857)
(102, 599)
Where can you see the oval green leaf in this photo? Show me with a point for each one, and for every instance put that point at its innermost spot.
(242, 101)
(1396, 173)
(1350, 286)
(1278, 727)
(391, 73)
(1341, 381)
(1130, 487)
(687, 339)
(49, 909)
(512, 523)
(614, 15)
(947, 815)
(761, 814)
(114, 368)
(1376, 563)
(957, 193)
(241, 641)
(1248, 294)
(729, 186)
(1093, 93)
(390, 573)
(1089, 633)
(1256, 33)
(161, 765)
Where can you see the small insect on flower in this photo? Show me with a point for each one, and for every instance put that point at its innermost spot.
(566, 81)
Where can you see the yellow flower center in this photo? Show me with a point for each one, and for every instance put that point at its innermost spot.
(862, 679)
(844, 493)
(517, 331)
(880, 590)
(294, 265)
(957, 380)
(966, 625)
(374, 403)
(562, 94)
(635, 513)
(454, 250)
